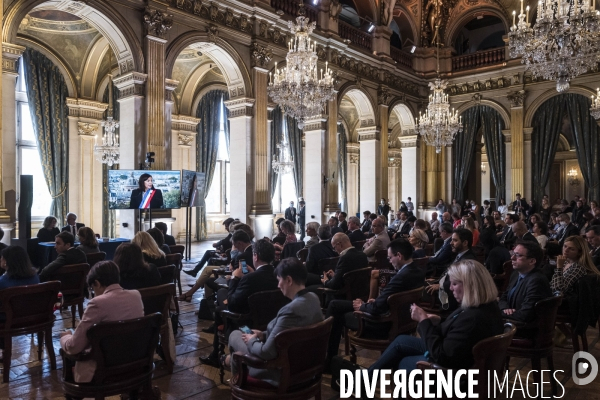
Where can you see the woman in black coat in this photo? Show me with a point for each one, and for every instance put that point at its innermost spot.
(49, 230)
(144, 184)
(450, 343)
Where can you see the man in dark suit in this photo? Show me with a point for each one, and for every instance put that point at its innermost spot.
(290, 212)
(350, 259)
(169, 239)
(343, 224)
(67, 255)
(318, 252)
(333, 225)
(72, 226)
(507, 232)
(444, 256)
(520, 233)
(569, 229)
(404, 227)
(527, 285)
(592, 234)
(383, 208)
(519, 206)
(260, 277)
(408, 277)
(302, 219)
(365, 227)
(220, 247)
(354, 232)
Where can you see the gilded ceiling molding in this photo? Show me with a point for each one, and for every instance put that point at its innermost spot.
(539, 100)
(516, 98)
(157, 23)
(368, 133)
(261, 55)
(383, 95)
(238, 108)
(86, 108)
(478, 86)
(10, 57)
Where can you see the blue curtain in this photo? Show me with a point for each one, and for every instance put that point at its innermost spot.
(276, 138)
(47, 94)
(342, 154)
(109, 217)
(295, 140)
(492, 126)
(463, 150)
(207, 145)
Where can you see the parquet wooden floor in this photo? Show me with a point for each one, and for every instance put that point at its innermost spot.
(31, 379)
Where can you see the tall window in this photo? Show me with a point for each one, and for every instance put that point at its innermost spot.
(217, 201)
(285, 189)
(28, 156)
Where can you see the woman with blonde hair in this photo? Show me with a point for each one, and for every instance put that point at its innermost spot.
(418, 239)
(150, 250)
(87, 240)
(48, 231)
(574, 263)
(469, 224)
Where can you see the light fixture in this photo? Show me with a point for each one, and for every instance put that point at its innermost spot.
(297, 87)
(412, 50)
(109, 152)
(563, 44)
(572, 177)
(439, 125)
(595, 108)
(483, 169)
(371, 28)
(283, 163)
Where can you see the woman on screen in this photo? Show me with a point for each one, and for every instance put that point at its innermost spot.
(146, 196)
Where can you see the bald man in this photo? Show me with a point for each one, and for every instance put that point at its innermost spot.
(521, 232)
(350, 259)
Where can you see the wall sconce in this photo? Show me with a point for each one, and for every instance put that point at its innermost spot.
(572, 177)
(483, 170)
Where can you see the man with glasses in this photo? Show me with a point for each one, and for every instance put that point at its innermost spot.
(592, 234)
(350, 259)
(377, 242)
(527, 285)
(318, 252)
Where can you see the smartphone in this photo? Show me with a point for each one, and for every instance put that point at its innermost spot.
(244, 267)
(246, 330)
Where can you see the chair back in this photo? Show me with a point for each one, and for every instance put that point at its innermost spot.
(177, 248)
(329, 263)
(72, 279)
(429, 250)
(157, 299)
(29, 306)
(302, 254)
(437, 244)
(421, 262)
(399, 304)
(264, 307)
(503, 279)
(356, 284)
(358, 245)
(479, 253)
(490, 354)
(290, 249)
(124, 349)
(546, 311)
(93, 258)
(173, 259)
(301, 353)
(167, 274)
(382, 261)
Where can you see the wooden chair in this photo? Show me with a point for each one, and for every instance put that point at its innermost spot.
(264, 307)
(356, 286)
(157, 299)
(326, 264)
(72, 280)
(291, 249)
(382, 261)
(421, 263)
(302, 254)
(177, 248)
(479, 253)
(358, 245)
(489, 355)
(175, 259)
(167, 274)
(29, 310)
(503, 279)
(541, 345)
(429, 250)
(398, 316)
(93, 258)
(300, 358)
(123, 352)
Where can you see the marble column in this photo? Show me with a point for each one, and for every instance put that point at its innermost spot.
(370, 172)
(132, 126)
(509, 194)
(170, 86)
(410, 168)
(486, 176)
(315, 186)
(327, 19)
(448, 176)
(332, 201)
(527, 169)
(516, 131)
(384, 113)
(477, 166)
(352, 178)
(433, 184)
(394, 176)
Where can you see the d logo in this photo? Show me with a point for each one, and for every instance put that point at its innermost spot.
(590, 364)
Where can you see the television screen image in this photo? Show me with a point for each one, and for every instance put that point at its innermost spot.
(192, 188)
(137, 189)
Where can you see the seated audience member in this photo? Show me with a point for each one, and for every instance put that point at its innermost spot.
(135, 273)
(72, 226)
(350, 259)
(469, 223)
(354, 232)
(587, 221)
(554, 227)
(574, 263)
(365, 227)
(48, 231)
(403, 226)
(158, 237)
(408, 277)
(502, 208)
(521, 233)
(395, 225)
(450, 343)
(507, 233)
(18, 270)
(540, 232)
(87, 240)
(260, 277)
(527, 285)
(533, 218)
(447, 217)
(568, 229)
(343, 224)
(152, 253)
(434, 222)
(289, 228)
(488, 224)
(311, 231)
(280, 237)
(319, 251)
(241, 240)
(220, 247)
(2, 245)
(334, 225)
(418, 239)
(425, 227)
(444, 255)
(496, 254)
(592, 235)
(304, 310)
(372, 217)
(169, 240)
(110, 303)
(456, 221)
(377, 242)
(67, 255)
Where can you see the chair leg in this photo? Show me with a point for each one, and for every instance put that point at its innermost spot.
(553, 384)
(575, 340)
(7, 354)
(165, 344)
(221, 366)
(50, 348)
(506, 363)
(346, 342)
(73, 315)
(80, 310)
(179, 278)
(584, 341)
(536, 365)
(40, 336)
(352, 354)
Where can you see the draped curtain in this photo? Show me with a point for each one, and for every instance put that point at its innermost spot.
(276, 138)
(47, 95)
(492, 125)
(295, 140)
(207, 145)
(544, 139)
(464, 147)
(342, 154)
(226, 123)
(585, 135)
(109, 217)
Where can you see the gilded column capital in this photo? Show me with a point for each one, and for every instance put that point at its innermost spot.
(409, 141)
(507, 135)
(368, 133)
(87, 129)
(261, 55)
(184, 127)
(516, 98)
(131, 84)
(10, 57)
(170, 86)
(157, 23)
(81, 108)
(242, 107)
(383, 95)
(318, 123)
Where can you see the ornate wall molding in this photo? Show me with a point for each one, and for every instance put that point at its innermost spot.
(243, 107)
(315, 124)
(354, 158)
(170, 86)
(86, 108)
(185, 140)
(478, 86)
(368, 133)
(185, 124)
(516, 98)
(261, 55)
(86, 128)
(507, 136)
(383, 95)
(10, 56)
(157, 23)
(131, 84)
(409, 141)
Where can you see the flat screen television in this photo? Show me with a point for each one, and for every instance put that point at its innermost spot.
(192, 188)
(160, 189)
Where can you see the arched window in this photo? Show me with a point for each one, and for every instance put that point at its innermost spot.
(285, 189)
(217, 201)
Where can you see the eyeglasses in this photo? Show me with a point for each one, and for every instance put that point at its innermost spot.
(513, 254)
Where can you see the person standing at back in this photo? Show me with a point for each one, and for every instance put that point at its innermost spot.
(290, 213)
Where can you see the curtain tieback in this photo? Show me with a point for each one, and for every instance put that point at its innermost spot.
(63, 190)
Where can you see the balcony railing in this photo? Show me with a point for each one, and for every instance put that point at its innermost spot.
(479, 59)
(290, 7)
(354, 35)
(401, 57)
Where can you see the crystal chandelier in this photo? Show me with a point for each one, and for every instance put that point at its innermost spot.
(439, 125)
(595, 108)
(108, 153)
(563, 44)
(284, 163)
(297, 87)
